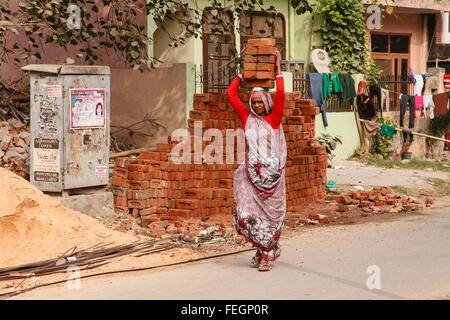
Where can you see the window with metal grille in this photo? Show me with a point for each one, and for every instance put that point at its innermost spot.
(256, 24)
(218, 50)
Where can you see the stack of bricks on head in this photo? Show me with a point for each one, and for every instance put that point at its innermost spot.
(165, 194)
(259, 63)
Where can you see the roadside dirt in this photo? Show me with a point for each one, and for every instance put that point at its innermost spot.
(42, 228)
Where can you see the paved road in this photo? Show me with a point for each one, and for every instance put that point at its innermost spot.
(412, 253)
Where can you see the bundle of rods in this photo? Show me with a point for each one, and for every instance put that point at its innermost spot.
(93, 257)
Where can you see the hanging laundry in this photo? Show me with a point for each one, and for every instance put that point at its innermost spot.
(316, 88)
(366, 109)
(411, 75)
(375, 91)
(405, 101)
(419, 105)
(363, 88)
(447, 81)
(357, 78)
(424, 83)
(407, 133)
(337, 87)
(447, 144)
(386, 130)
(385, 99)
(348, 87)
(326, 85)
(440, 104)
(418, 84)
(371, 128)
(429, 105)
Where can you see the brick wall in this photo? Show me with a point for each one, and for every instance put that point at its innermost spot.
(156, 189)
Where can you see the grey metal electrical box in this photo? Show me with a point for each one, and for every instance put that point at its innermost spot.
(69, 126)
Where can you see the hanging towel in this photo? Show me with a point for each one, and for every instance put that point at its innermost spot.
(429, 105)
(419, 105)
(316, 87)
(447, 81)
(337, 87)
(418, 84)
(440, 104)
(371, 128)
(387, 130)
(385, 99)
(348, 86)
(326, 85)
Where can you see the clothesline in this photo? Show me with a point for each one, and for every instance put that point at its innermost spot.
(414, 133)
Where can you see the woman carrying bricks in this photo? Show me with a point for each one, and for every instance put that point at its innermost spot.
(259, 182)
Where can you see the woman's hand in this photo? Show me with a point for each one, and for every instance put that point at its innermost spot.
(278, 63)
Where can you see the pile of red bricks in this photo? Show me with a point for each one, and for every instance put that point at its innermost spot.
(259, 63)
(381, 197)
(163, 194)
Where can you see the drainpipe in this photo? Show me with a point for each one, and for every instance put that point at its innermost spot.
(291, 31)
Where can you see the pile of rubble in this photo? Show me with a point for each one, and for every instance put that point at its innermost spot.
(15, 147)
(340, 207)
(378, 200)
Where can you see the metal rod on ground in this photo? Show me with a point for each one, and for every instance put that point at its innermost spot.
(415, 133)
(127, 153)
(17, 292)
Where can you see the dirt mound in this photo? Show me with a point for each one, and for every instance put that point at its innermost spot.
(34, 226)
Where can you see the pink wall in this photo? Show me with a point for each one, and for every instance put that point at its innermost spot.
(415, 26)
(55, 55)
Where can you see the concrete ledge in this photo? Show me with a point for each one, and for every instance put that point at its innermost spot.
(95, 205)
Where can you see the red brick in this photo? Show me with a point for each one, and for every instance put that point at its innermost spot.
(250, 66)
(163, 147)
(267, 58)
(251, 50)
(267, 50)
(203, 97)
(186, 204)
(268, 67)
(138, 185)
(116, 180)
(265, 75)
(250, 74)
(148, 155)
(120, 172)
(140, 204)
(120, 209)
(258, 42)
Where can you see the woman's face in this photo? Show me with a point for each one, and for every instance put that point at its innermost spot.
(258, 106)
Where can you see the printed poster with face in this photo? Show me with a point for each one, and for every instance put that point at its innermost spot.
(87, 108)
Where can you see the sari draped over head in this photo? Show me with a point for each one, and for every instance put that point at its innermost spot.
(259, 182)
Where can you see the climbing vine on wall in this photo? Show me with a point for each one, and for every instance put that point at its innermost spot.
(345, 38)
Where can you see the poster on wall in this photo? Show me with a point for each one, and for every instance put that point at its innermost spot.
(87, 108)
(46, 165)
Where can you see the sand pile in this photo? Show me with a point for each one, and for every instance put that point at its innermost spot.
(34, 226)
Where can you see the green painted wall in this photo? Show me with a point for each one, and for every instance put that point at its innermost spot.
(342, 124)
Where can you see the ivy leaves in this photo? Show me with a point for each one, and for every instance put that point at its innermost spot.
(344, 35)
(112, 25)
